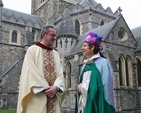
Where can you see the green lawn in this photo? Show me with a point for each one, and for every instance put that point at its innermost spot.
(7, 111)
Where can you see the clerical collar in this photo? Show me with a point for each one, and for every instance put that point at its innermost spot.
(43, 46)
(90, 60)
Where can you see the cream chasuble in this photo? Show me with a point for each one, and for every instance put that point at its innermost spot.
(37, 72)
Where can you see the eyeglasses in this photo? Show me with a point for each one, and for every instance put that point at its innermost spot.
(53, 35)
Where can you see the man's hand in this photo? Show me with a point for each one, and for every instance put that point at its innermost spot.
(51, 91)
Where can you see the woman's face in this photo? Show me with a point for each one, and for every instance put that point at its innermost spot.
(87, 51)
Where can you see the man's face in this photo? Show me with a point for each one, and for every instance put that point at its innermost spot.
(50, 37)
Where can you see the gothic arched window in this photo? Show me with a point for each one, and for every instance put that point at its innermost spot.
(121, 64)
(101, 23)
(128, 68)
(127, 72)
(71, 42)
(139, 72)
(61, 43)
(66, 41)
(77, 27)
(14, 37)
(120, 72)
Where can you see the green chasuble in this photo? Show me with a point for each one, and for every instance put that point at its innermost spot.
(96, 102)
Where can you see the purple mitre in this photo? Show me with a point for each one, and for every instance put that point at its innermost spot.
(93, 38)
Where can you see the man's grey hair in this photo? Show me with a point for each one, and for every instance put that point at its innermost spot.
(45, 28)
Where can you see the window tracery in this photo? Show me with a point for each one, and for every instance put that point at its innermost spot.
(122, 34)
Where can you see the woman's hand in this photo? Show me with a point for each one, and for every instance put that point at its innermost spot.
(79, 87)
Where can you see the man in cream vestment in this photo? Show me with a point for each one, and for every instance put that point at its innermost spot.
(41, 87)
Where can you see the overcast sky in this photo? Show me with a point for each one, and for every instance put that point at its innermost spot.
(131, 9)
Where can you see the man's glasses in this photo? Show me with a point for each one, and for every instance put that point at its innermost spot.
(53, 35)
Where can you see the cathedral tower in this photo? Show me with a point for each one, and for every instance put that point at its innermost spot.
(66, 35)
(47, 8)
